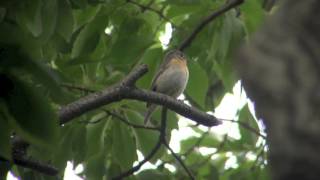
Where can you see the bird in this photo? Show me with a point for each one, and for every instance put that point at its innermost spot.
(171, 78)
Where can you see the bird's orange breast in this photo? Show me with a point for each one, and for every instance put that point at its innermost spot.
(180, 64)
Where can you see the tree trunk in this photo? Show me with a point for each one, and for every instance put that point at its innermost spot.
(280, 70)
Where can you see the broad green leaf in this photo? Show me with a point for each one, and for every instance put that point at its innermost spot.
(123, 147)
(78, 4)
(247, 136)
(63, 152)
(79, 143)
(145, 139)
(30, 16)
(65, 21)
(94, 167)
(153, 58)
(46, 76)
(210, 141)
(208, 172)
(49, 19)
(225, 72)
(198, 83)
(14, 59)
(125, 53)
(33, 117)
(14, 35)
(88, 38)
(152, 174)
(252, 14)
(113, 170)
(182, 9)
(86, 15)
(95, 137)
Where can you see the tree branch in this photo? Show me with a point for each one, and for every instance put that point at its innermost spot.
(124, 120)
(126, 90)
(231, 4)
(246, 126)
(32, 164)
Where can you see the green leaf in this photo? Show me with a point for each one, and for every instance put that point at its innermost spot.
(33, 118)
(152, 174)
(152, 57)
(141, 41)
(30, 16)
(95, 137)
(198, 83)
(86, 15)
(79, 3)
(252, 14)
(178, 10)
(123, 147)
(210, 141)
(79, 143)
(14, 59)
(146, 139)
(208, 172)
(65, 21)
(89, 36)
(246, 117)
(225, 71)
(49, 19)
(46, 76)
(63, 152)
(94, 167)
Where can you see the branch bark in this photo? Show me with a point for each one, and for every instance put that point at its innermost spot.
(126, 90)
(280, 70)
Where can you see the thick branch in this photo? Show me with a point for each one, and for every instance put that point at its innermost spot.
(231, 4)
(280, 71)
(125, 90)
(34, 165)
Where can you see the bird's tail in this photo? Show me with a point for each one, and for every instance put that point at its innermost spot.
(150, 110)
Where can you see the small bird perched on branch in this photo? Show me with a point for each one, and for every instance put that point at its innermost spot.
(171, 78)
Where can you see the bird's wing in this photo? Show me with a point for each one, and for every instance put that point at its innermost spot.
(162, 68)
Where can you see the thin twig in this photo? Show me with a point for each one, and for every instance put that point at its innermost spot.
(231, 4)
(153, 151)
(179, 160)
(147, 7)
(124, 120)
(260, 154)
(77, 87)
(246, 126)
(221, 145)
(197, 143)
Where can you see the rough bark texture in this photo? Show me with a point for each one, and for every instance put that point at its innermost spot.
(281, 74)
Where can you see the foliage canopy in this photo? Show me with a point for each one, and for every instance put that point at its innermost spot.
(53, 52)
